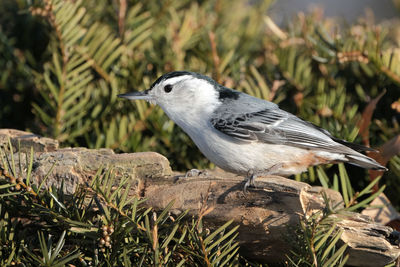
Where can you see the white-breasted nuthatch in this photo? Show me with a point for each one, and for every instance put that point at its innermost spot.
(244, 134)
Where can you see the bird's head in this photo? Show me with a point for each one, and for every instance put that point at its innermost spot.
(181, 93)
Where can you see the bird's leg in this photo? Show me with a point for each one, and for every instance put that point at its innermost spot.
(251, 175)
(250, 181)
(195, 172)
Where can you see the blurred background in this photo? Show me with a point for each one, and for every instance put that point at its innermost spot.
(334, 63)
(344, 11)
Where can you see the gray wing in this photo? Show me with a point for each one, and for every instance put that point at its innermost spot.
(269, 124)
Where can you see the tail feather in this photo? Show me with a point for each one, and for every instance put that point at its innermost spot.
(365, 162)
(358, 159)
(356, 147)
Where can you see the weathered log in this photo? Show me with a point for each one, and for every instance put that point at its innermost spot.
(267, 213)
(26, 140)
(264, 214)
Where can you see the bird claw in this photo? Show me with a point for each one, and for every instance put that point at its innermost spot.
(252, 176)
(249, 183)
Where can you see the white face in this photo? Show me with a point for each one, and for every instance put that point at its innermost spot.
(168, 92)
(186, 99)
(185, 96)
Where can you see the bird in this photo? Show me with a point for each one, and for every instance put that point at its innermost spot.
(247, 135)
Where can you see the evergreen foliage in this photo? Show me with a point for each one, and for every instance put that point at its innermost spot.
(91, 51)
(100, 225)
(63, 62)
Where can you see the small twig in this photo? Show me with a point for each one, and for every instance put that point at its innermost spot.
(215, 57)
(349, 56)
(203, 248)
(315, 262)
(19, 181)
(204, 209)
(121, 17)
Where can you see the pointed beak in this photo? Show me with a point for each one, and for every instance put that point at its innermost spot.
(137, 95)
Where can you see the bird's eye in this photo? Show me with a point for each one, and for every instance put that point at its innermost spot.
(168, 88)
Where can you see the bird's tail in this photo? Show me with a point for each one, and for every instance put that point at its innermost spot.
(358, 159)
(364, 162)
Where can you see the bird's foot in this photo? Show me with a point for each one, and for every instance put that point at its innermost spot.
(249, 182)
(251, 175)
(196, 173)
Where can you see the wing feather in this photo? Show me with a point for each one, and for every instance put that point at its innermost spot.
(250, 119)
(273, 126)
